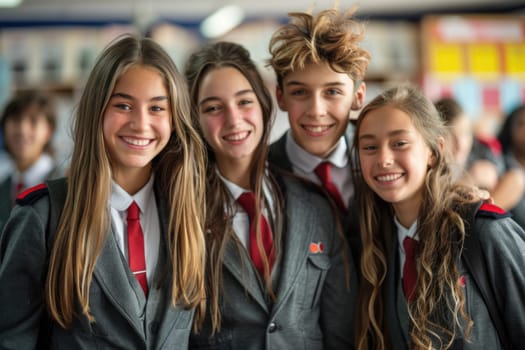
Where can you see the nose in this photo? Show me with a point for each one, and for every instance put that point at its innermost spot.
(385, 157)
(231, 114)
(22, 126)
(317, 106)
(140, 118)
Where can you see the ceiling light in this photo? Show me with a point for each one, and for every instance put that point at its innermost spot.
(221, 21)
(10, 3)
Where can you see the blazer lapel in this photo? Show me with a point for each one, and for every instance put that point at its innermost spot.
(114, 280)
(397, 309)
(297, 236)
(160, 294)
(240, 266)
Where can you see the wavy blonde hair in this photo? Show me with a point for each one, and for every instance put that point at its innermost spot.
(330, 36)
(179, 170)
(441, 231)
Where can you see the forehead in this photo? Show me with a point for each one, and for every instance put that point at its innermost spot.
(385, 122)
(317, 74)
(223, 81)
(33, 110)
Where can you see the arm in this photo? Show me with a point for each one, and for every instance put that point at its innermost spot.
(509, 189)
(339, 298)
(22, 276)
(503, 244)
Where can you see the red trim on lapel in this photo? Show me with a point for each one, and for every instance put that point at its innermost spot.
(492, 211)
(30, 195)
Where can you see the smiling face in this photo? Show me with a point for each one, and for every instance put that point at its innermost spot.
(230, 117)
(137, 124)
(318, 101)
(27, 135)
(394, 159)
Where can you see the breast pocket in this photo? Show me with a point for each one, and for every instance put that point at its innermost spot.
(317, 267)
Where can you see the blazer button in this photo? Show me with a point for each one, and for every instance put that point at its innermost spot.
(154, 327)
(272, 327)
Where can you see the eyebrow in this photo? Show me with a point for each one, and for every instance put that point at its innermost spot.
(129, 97)
(295, 82)
(237, 94)
(390, 134)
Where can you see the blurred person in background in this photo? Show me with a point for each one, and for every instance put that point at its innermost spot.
(477, 160)
(28, 124)
(512, 140)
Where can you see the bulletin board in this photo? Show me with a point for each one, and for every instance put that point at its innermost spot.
(479, 60)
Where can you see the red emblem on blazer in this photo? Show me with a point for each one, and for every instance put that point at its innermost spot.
(462, 281)
(316, 248)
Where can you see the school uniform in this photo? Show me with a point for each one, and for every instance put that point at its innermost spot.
(313, 308)
(287, 155)
(43, 169)
(503, 247)
(124, 317)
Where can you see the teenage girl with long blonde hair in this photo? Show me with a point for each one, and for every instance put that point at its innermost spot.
(75, 285)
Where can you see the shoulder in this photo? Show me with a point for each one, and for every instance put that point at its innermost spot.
(491, 211)
(32, 195)
(301, 193)
(277, 153)
(496, 227)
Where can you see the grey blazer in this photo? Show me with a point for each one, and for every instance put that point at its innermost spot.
(6, 202)
(124, 319)
(503, 245)
(313, 310)
(278, 157)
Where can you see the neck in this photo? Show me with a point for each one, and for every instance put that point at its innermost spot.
(133, 181)
(406, 213)
(237, 172)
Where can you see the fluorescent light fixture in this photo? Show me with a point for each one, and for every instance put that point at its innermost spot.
(10, 3)
(221, 21)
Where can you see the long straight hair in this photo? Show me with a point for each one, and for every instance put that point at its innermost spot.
(84, 224)
(219, 229)
(441, 231)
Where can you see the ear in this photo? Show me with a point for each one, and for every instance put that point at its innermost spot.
(279, 98)
(441, 147)
(49, 133)
(359, 97)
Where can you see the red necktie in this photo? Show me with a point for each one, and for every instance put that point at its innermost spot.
(19, 187)
(323, 171)
(247, 201)
(409, 269)
(137, 259)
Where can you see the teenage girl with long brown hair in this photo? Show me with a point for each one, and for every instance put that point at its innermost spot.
(415, 290)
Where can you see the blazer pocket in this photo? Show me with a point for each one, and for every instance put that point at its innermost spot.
(219, 341)
(316, 269)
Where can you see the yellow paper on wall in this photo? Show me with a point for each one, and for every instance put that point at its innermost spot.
(514, 58)
(446, 58)
(483, 59)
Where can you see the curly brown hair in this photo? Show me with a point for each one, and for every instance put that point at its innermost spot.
(441, 232)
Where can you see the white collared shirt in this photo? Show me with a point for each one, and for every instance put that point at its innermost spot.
(149, 221)
(304, 164)
(241, 220)
(403, 232)
(36, 173)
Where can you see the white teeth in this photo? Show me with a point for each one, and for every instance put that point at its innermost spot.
(237, 137)
(389, 177)
(319, 128)
(136, 142)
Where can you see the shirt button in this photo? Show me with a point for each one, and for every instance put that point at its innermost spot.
(272, 327)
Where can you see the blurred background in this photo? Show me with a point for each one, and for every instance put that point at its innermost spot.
(472, 50)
